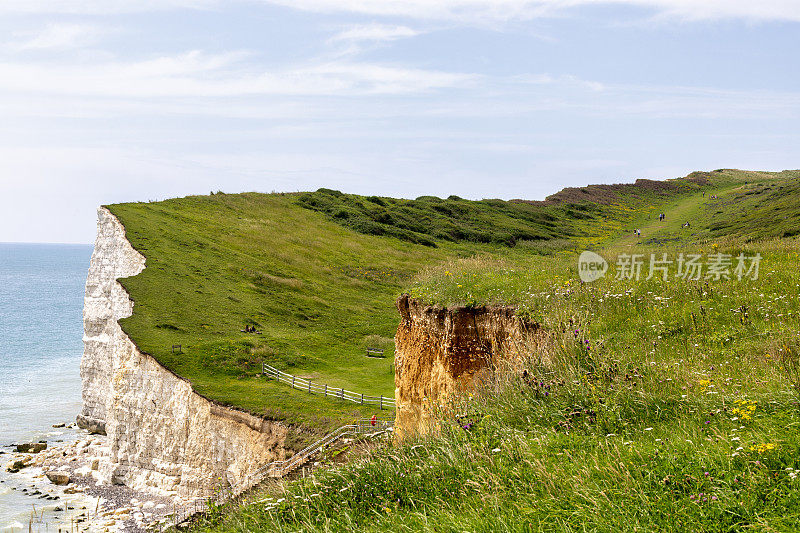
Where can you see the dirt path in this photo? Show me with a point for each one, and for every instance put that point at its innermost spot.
(695, 209)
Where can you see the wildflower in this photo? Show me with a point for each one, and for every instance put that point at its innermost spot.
(763, 448)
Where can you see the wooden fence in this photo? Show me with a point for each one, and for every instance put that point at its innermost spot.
(313, 388)
(276, 469)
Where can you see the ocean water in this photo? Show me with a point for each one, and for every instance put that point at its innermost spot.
(41, 330)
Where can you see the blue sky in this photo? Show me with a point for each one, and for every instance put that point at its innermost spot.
(105, 101)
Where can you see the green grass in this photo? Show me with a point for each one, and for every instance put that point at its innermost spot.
(650, 405)
(428, 220)
(319, 291)
(661, 421)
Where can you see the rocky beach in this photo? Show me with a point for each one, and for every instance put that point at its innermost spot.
(66, 492)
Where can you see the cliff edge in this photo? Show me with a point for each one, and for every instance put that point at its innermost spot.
(441, 351)
(162, 436)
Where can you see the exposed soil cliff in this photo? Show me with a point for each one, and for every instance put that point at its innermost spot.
(161, 434)
(440, 351)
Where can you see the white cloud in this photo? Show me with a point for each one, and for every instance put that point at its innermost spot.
(452, 10)
(477, 10)
(374, 32)
(99, 7)
(56, 37)
(196, 74)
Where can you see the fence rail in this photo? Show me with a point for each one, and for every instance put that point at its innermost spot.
(313, 388)
(278, 468)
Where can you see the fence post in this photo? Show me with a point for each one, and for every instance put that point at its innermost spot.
(326, 390)
(362, 398)
(381, 402)
(309, 386)
(293, 381)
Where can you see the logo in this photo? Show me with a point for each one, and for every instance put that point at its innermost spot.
(591, 267)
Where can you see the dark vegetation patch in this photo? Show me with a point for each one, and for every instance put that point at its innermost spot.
(611, 194)
(429, 220)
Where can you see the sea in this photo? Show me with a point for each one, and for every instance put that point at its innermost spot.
(41, 331)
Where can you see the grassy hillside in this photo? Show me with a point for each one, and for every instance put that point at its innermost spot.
(319, 291)
(654, 405)
(428, 220)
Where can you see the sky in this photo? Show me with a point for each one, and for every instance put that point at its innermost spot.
(105, 101)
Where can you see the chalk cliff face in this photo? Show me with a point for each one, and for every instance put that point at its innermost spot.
(162, 436)
(440, 351)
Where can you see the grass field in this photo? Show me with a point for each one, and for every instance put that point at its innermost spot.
(652, 405)
(319, 287)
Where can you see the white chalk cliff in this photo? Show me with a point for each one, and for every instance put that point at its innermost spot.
(162, 436)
